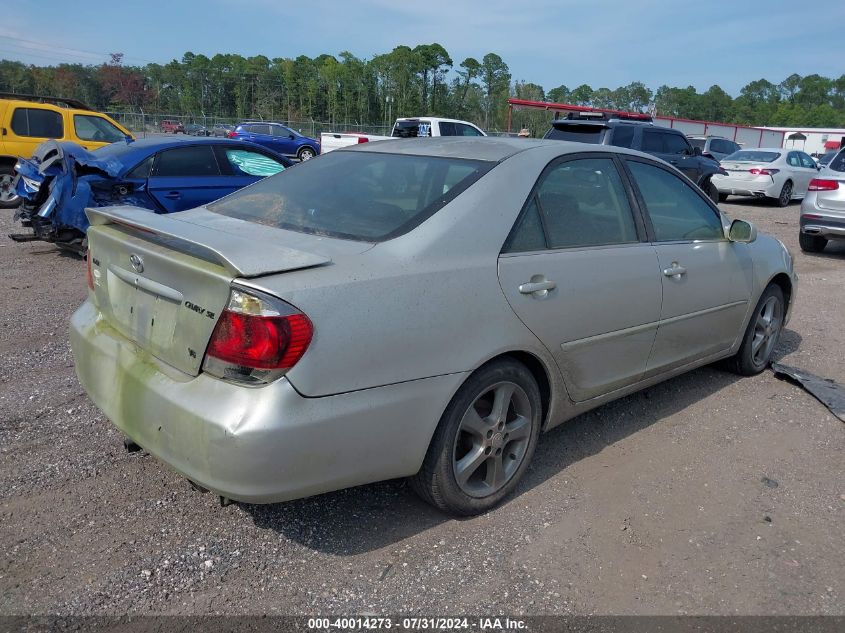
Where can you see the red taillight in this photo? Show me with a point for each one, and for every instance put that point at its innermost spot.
(763, 172)
(260, 342)
(363, 139)
(821, 184)
(231, 134)
(90, 273)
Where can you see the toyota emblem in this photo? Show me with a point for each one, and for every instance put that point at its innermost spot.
(137, 263)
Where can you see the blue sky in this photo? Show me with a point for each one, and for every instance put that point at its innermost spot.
(602, 43)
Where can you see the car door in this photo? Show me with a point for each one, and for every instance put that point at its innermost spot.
(243, 165)
(809, 171)
(187, 177)
(578, 272)
(284, 140)
(707, 280)
(262, 134)
(29, 127)
(797, 173)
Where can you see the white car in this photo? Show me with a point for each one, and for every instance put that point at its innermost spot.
(779, 174)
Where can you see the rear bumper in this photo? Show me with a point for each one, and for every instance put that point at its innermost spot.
(831, 228)
(759, 187)
(258, 445)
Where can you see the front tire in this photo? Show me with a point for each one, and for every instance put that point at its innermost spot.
(484, 441)
(811, 243)
(8, 198)
(785, 196)
(306, 153)
(761, 335)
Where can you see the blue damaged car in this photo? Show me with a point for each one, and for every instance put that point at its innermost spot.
(162, 175)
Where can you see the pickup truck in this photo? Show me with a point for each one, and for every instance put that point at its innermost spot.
(403, 128)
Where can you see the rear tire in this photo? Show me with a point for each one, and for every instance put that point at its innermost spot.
(484, 441)
(785, 196)
(811, 243)
(761, 335)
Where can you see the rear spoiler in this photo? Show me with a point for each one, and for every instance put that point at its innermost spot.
(241, 256)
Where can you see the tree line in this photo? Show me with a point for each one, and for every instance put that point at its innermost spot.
(404, 82)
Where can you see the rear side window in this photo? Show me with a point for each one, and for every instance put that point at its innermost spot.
(838, 162)
(258, 128)
(622, 136)
(187, 161)
(576, 203)
(365, 196)
(677, 213)
(37, 123)
(793, 160)
(246, 163)
(462, 129)
(652, 141)
(411, 129)
(447, 128)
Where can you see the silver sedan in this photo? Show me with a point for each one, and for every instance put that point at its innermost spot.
(781, 175)
(417, 308)
(823, 210)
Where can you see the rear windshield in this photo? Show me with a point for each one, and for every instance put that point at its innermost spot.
(838, 163)
(580, 133)
(411, 129)
(365, 196)
(698, 142)
(750, 156)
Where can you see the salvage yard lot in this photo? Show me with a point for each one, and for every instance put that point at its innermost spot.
(707, 494)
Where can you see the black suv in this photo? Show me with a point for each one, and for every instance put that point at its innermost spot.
(639, 132)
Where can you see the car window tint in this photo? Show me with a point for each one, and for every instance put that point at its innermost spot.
(142, 170)
(837, 163)
(652, 141)
(279, 130)
(677, 212)
(259, 128)
(94, 128)
(447, 128)
(574, 132)
(365, 196)
(717, 145)
(187, 161)
(246, 163)
(674, 143)
(583, 203)
(462, 129)
(528, 234)
(793, 160)
(37, 123)
(806, 161)
(623, 135)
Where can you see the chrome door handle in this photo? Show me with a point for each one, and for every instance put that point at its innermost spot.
(536, 286)
(173, 195)
(674, 270)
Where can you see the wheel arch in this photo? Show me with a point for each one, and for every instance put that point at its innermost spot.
(783, 281)
(538, 370)
(8, 160)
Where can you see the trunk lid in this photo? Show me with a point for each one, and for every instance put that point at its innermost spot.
(162, 281)
(741, 171)
(832, 200)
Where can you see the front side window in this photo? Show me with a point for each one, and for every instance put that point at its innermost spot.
(94, 128)
(246, 163)
(281, 130)
(462, 129)
(141, 170)
(187, 161)
(365, 196)
(677, 212)
(806, 161)
(447, 128)
(577, 203)
(675, 144)
(37, 123)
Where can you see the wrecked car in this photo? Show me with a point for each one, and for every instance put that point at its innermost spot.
(162, 175)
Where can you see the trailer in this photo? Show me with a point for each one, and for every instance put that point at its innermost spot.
(746, 136)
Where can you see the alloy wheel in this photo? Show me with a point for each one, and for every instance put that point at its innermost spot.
(7, 189)
(786, 194)
(766, 331)
(492, 439)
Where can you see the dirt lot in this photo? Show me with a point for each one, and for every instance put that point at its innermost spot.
(709, 494)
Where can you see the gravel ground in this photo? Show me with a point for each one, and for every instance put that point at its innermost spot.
(708, 494)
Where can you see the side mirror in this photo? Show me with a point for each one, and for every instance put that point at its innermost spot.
(696, 151)
(742, 231)
(291, 136)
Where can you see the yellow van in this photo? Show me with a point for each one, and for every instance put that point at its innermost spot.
(26, 121)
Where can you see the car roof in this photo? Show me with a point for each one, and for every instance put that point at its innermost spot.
(486, 148)
(438, 119)
(154, 144)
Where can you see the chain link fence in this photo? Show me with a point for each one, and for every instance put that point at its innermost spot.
(143, 124)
